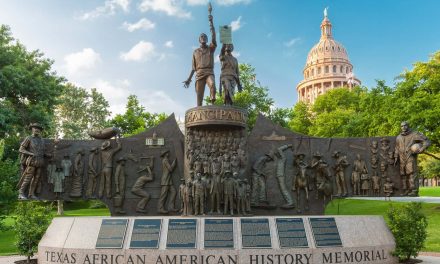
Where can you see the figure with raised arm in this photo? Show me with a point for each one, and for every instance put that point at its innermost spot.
(203, 64)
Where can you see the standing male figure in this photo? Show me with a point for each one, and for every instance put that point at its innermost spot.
(408, 144)
(199, 194)
(340, 165)
(32, 157)
(229, 77)
(92, 171)
(259, 180)
(166, 182)
(107, 154)
(203, 65)
(359, 168)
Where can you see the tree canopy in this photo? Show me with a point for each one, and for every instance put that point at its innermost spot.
(136, 119)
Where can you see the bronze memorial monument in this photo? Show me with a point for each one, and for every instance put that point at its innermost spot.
(163, 184)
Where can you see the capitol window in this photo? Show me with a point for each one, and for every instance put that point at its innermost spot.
(326, 69)
(334, 68)
(319, 70)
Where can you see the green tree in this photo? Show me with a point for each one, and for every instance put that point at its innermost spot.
(80, 111)
(417, 96)
(29, 88)
(32, 220)
(300, 120)
(136, 119)
(254, 98)
(408, 225)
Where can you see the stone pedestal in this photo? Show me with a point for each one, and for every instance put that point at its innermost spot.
(363, 239)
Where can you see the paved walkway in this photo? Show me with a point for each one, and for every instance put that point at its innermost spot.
(425, 199)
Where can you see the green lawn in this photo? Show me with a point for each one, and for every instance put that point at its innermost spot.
(80, 208)
(429, 191)
(364, 207)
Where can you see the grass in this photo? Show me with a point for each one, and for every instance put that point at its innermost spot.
(80, 208)
(364, 207)
(429, 191)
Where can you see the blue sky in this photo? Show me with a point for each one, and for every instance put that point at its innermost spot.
(144, 47)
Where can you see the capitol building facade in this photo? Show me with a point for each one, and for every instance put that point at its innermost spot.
(327, 67)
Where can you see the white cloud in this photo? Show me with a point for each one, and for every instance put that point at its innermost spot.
(80, 61)
(109, 8)
(196, 2)
(116, 95)
(169, 44)
(159, 101)
(232, 2)
(291, 42)
(143, 23)
(170, 7)
(219, 2)
(142, 51)
(236, 24)
(236, 54)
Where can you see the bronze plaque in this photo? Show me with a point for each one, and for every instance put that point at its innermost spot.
(145, 233)
(255, 233)
(291, 233)
(219, 233)
(112, 233)
(182, 233)
(325, 232)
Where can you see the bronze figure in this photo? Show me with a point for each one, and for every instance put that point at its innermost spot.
(408, 145)
(301, 181)
(230, 76)
(92, 171)
(32, 158)
(118, 199)
(203, 65)
(259, 194)
(166, 182)
(78, 172)
(138, 189)
(199, 194)
(280, 160)
(340, 165)
(359, 168)
(107, 154)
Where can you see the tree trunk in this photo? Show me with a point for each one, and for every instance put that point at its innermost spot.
(28, 259)
(60, 206)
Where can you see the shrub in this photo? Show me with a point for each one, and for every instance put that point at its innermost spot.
(32, 220)
(408, 225)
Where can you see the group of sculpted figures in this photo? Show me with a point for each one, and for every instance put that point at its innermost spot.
(407, 146)
(216, 160)
(203, 67)
(217, 172)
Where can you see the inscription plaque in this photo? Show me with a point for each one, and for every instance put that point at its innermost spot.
(145, 233)
(255, 233)
(325, 232)
(112, 233)
(291, 233)
(181, 233)
(219, 233)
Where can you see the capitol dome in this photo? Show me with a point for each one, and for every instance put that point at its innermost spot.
(327, 67)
